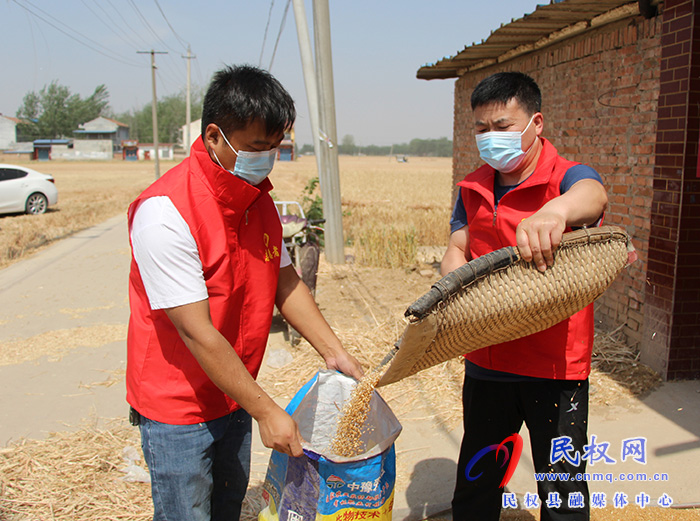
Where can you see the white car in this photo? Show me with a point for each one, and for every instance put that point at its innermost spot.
(25, 190)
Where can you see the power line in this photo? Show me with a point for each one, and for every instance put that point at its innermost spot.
(279, 34)
(107, 22)
(70, 35)
(173, 69)
(199, 72)
(148, 26)
(36, 61)
(182, 42)
(168, 81)
(267, 26)
(126, 23)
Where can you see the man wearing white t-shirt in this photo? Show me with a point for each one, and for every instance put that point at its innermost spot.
(208, 266)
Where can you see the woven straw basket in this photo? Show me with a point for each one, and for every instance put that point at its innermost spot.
(499, 297)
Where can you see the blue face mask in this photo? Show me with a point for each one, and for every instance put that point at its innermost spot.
(503, 150)
(252, 167)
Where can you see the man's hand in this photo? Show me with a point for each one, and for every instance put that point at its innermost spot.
(224, 367)
(280, 432)
(538, 236)
(340, 360)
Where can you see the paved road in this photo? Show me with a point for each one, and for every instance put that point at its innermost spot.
(78, 287)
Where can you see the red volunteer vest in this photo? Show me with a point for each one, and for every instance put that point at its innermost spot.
(563, 351)
(238, 235)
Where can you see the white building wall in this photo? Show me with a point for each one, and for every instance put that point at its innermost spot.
(166, 152)
(8, 133)
(92, 149)
(195, 132)
(61, 152)
(99, 125)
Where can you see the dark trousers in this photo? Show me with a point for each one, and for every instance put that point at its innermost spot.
(495, 410)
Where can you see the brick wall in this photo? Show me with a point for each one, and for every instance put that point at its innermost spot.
(600, 93)
(672, 311)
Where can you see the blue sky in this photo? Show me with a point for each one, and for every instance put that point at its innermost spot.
(377, 49)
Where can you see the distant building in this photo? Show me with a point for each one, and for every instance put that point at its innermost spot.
(130, 150)
(195, 132)
(91, 149)
(146, 151)
(47, 149)
(286, 149)
(102, 129)
(8, 131)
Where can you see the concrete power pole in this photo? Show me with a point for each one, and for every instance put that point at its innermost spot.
(307, 64)
(154, 109)
(329, 175)
(188, 105)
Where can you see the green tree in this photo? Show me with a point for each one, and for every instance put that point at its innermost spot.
(54, 112)
(171, 118)
(347, 145)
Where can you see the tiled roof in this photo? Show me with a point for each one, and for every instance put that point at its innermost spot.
(558, 20)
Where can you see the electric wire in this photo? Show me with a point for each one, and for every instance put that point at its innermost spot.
(199, 71)
(267, 26)
(182, 42)
(165, 73)
(116, 58)
(165, 83)
(167, 64)
(36, 61)
(174, 71)
(279, 33)
(126, 23)
(149, 27)
(111, 26)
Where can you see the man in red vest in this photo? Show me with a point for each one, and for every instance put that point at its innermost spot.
(208, 266)
(526, 195)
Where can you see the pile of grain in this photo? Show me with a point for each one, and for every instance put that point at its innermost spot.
(352, 420)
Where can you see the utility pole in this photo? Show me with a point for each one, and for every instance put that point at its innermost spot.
(307, 64)
(154, 110)
(329, 176)
(188, 113)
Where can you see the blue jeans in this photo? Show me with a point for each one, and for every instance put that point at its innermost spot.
(198, 472)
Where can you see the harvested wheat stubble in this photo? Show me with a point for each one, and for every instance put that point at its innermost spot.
(55, 344)
(72, 476)
(76, 476)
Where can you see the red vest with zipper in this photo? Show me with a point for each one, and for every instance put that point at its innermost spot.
(563, 351)
(238, 235)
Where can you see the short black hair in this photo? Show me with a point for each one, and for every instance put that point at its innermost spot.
(237, 95)
(504, 86)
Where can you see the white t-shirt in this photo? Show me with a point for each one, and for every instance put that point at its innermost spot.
(167, 255)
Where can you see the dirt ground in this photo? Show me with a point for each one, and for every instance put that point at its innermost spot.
(363, 304)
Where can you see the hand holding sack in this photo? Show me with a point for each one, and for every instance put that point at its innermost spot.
(320, 484)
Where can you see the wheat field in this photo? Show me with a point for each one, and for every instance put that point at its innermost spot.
(390, 209)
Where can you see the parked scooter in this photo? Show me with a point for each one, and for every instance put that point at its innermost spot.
(301, 237)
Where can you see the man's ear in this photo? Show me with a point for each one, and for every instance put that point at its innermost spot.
(212, 135)
(538, 121)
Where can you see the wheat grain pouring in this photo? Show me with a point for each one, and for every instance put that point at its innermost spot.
(352, 420)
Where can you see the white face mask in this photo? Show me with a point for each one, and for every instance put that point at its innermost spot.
(252, 167)
(503, 150)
